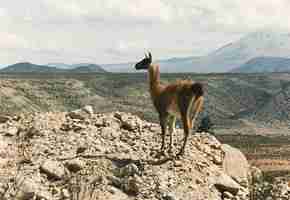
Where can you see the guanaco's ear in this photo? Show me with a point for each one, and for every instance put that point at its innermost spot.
(150, 57)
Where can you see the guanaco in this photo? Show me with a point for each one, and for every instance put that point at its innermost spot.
(183, 99)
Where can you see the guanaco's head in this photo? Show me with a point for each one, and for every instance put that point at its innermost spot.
(144, 63)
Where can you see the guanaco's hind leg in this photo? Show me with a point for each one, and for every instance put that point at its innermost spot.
(196, 109)
(187, 128)
(171, 125)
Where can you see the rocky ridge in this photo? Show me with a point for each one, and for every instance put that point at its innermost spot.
(114, 156)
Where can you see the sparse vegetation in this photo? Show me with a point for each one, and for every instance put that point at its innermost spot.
(233, 102)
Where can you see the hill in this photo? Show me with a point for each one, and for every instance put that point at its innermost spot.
(27, 67)
(277, 109)
(90, 68)
(59, 65)
(229, 97)
(264, 65)
(83, 155)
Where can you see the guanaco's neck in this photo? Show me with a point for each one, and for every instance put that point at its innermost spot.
(154, 79)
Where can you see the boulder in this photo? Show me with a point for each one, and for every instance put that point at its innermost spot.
(235, 164)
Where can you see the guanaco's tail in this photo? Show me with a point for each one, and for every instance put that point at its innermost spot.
(198, 101)
(197, 89)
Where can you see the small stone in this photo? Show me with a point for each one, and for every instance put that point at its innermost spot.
(128, 170)
(109, 133)
(32, 131)
(228, 195)
(198, 181)
(115, 134)
(132, 185)
(65, 193)
(53, 169)
(177, 163)
(16, 118)
(77, 114)
(169, 196)
(127, 126)
(3, 188)
(115, 181)
(118, 115)
(112, 190)
(217, 159)
(257, 175)
(81, 149)
(11, 131)
(74, 165)
(27, 188)
(225, 183)
(4, 119)
(88, 109)
(44, 195)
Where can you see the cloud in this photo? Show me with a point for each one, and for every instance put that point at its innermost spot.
(246, 14)
(11, 41)
(2, 12)
(114, 10)
(120, 30)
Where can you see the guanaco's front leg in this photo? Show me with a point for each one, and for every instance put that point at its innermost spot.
(187, 128)
(171, 125)
(163, 125)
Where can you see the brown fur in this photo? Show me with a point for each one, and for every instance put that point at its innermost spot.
(182, 99)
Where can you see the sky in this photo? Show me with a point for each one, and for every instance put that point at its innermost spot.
(115, 31)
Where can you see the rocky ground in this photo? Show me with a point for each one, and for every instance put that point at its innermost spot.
(82, 155)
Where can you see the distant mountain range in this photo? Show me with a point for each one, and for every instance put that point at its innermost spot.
(172, 65)
(258, 44)
(27, 67)
(93, 68)
(264, 43)
(262, 51)
(264, 64)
